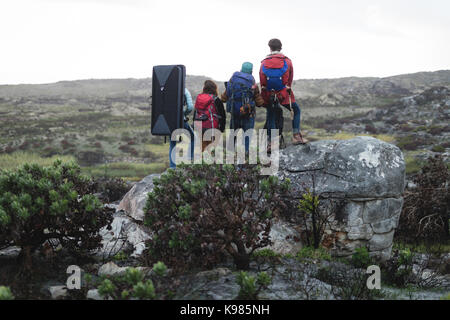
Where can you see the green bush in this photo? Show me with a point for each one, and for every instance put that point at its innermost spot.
(411, 142)
(446, 297)
(361, 258)
(314, 221)
(203, 214)
(133, 285)
(111, 189)
(266, 256)
(41, 203)
(5, 293)
(398, 270)
(311, 253)
(250, 286)
(438, 148)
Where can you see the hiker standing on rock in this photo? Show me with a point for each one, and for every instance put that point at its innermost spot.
(276, 75)
(242, 96)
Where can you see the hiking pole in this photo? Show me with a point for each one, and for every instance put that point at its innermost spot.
(290, 105)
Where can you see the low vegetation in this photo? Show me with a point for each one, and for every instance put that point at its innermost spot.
(425, 214)
(49, 205)
(207, 213)
(134, 284)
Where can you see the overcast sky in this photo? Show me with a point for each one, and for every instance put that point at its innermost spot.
(45, 41)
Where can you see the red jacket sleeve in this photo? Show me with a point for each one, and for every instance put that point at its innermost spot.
(289, 76)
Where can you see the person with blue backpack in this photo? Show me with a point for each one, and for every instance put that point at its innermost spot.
(188, 107)
(276, 75)
(242, 96)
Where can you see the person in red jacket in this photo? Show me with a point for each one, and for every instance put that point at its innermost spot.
(276, 75)
(209, 109)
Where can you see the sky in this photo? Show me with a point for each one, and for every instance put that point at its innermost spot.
(43, 41)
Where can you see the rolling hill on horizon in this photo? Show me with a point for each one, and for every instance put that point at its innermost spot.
(303, 87)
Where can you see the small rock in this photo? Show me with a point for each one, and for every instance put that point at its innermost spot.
(94, 295)
(111, 269)
(10, 252)
(58, 292)
(215, 273)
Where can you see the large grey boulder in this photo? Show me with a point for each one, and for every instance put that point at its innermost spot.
(133, 202)
(365, 176)
(363, 167)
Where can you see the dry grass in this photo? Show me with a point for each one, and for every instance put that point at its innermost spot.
(17, 159)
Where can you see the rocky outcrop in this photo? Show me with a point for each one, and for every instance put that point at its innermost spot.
(134, 201)
(360, 183)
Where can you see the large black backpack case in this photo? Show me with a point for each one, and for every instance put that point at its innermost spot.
(168, 84)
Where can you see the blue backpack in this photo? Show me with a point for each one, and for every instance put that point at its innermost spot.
(239, 91)
(274, 77)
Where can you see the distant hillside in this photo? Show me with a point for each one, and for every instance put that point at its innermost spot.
(334, 90)
(90, 88)
(366, 91)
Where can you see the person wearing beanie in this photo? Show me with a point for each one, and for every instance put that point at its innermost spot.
(247, 67)
(279, 83)
(242, 96)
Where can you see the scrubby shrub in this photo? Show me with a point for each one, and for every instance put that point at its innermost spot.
(347, 283)
(126, 148)
(370, 128)
(66, 144)
(149, 156)
(90, 157)
(251, 286)
(436, 130)
(41, 203)
(410, 142)
(111, 189)
(438, 148)
(312, 253)
(446, 297)
(264, 257)
(202, 214)
(134, 285)
(425, 213)
(398, 270)
(405, 127)
(361, 258)
(49, 152)
(5, 293)
(314, 221)
(125, 136)
(120, 256)
(24, 145)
